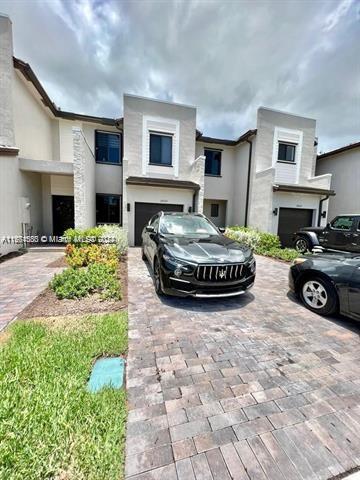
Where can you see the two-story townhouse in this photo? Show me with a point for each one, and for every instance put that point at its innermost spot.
(61, 169)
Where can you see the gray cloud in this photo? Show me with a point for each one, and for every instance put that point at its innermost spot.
(226, 57)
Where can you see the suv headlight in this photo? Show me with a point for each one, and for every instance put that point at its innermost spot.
(252, 265)
(180, 265)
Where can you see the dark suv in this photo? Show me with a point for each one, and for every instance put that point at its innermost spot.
(343, 233)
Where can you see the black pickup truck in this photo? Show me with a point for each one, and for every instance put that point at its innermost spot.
(342, 233)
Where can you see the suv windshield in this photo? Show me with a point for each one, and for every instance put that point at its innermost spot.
(186, 225)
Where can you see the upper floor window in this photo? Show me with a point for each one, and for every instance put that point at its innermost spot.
(213, 162)
(160, 149)
(286, 152)
(107, 148)
(108, 208)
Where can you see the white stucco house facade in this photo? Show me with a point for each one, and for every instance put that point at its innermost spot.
(60, 169)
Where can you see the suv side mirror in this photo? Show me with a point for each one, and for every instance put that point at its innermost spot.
(221, 230)
(150, 229)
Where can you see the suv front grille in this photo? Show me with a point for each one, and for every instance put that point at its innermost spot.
(219, 273)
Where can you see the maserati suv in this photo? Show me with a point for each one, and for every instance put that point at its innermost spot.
(190, 256)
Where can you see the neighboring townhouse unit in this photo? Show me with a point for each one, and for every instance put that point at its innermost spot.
(60, 169)
(344, 165)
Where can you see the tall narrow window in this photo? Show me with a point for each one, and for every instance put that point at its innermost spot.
(286, 152)
(107, 147)
(213, 162)
(108, 208)
(160, 149)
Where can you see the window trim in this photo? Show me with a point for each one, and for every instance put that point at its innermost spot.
(213, 150)
(161, 134)
(120, 134)
(291, 144)
(118, 195)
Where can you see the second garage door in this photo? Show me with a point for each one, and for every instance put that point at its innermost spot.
(144, 211)
(291, 220)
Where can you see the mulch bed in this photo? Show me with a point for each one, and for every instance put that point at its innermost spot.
(48, 305)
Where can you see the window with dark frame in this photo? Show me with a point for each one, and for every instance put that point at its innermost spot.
(286, 152)
(108, 208)
(214, 210)
(160, 149)
(212, 162)
(108, 148)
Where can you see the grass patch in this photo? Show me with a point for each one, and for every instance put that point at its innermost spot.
(50, 426)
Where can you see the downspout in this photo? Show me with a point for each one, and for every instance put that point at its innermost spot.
(248, 183)
(320, 209)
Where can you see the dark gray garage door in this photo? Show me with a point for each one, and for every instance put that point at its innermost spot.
(144, 211)
(290, 220)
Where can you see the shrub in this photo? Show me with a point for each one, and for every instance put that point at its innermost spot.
(79, 282)
(244, 235)
(262, 243)
(119, 235)
(81, 256)
(286, 254)
(83, 237)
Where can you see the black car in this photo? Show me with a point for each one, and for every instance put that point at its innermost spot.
(190, 257)
(328, 282)
(342, 233)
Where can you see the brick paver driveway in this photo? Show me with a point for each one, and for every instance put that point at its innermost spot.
(21, 280)
(255, 387)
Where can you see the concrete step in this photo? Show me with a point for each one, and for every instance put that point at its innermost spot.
(45, 249)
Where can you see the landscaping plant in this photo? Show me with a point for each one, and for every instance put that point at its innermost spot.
(93, 265)
(262, 243)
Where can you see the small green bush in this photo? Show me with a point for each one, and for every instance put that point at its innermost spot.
(82, 237)
(79, 282)
(262, 243)
(286, 254)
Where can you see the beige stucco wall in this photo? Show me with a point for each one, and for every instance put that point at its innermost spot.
(345, 170)
(231, 185)
(267, 120)
(33, 126)
(135, 108)
(14, 185)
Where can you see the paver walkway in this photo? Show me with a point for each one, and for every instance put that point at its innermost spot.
(255, 387)
(21, 280)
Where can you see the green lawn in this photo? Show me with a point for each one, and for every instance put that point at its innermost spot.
(50, 426)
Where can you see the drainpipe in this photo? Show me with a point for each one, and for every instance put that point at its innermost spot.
(320, 209)
(193, 202)
(248, 183)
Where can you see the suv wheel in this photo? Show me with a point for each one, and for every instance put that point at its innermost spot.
(302, 244)
(157, 277)
(319, 296)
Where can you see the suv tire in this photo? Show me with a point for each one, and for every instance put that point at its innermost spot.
(302, 244)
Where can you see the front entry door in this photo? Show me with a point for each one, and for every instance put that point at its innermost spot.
(63, 213)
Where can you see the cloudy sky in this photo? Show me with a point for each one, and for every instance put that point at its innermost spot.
(226, 57)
